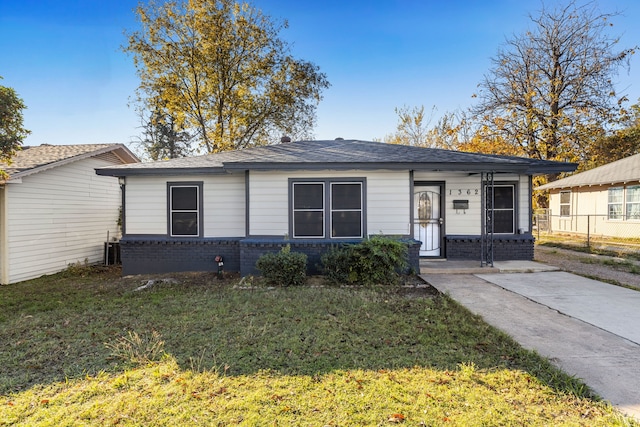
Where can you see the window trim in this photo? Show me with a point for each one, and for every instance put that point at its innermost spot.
(327, 205)
(514, 209)
(627, 203)
(199, 211)
(565, 204)
(332, 210)
(293, 209)
(621, 204)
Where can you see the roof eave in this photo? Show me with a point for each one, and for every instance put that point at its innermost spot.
(119, 150)
(435, 166)
(550, 169)
(124, 154)
(554, 186)
(159, 171)
(230, 167)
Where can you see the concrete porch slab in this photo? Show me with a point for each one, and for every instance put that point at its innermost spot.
(473, 267)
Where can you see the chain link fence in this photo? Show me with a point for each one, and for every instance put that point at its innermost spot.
(592, 231)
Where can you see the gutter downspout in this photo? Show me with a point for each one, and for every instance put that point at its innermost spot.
(247, 201)
(123, 187)
(531, 205)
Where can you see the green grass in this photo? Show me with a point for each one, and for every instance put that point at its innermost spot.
(86, 349)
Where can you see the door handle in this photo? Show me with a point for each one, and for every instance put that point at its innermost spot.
(440, 221)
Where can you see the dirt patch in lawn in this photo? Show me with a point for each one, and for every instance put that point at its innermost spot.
(410, 285)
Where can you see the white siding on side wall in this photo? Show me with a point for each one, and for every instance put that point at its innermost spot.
(58, 217)
(387, 210)
(223, 204)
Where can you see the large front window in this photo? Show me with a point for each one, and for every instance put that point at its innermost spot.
(184, 209)
(327, 208)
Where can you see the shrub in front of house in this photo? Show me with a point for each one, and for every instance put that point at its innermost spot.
(284, 268)
(376, 261)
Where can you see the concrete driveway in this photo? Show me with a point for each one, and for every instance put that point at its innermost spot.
(588, 328)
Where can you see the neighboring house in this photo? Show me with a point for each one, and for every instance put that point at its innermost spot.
(603, 201)
(54, 209)
(179, 214)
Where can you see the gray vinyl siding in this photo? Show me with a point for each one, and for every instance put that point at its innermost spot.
(223, 204)
(387, 209)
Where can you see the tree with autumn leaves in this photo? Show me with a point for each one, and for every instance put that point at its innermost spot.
(221, 72)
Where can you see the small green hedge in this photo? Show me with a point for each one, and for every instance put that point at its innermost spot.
(376, 261)
(284, 268)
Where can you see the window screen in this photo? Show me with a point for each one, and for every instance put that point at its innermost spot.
(503, 208)
(184, 213)
(327, 208)
(346, 210)
(308, 209)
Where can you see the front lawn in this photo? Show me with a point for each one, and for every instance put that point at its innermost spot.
(84, 348)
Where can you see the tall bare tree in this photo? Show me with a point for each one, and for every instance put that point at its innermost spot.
(551, 89)
(220, 69)
(412, 127)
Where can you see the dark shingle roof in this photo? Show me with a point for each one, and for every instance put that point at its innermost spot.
(340, 155)
(33, 159)
(620, 171)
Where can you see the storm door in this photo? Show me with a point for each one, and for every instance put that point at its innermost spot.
(427, 219)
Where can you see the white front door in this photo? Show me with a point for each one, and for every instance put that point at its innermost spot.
(427, 219)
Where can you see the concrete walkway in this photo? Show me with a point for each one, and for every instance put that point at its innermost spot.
(589, 329)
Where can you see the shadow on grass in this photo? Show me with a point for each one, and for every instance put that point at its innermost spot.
(57, 327)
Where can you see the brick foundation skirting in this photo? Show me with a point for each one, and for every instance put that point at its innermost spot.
(511, 247)
(146, 255)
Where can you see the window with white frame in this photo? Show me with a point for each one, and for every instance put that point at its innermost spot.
(185, 206)
(615, 202)
(327, 208)
(632, 206)
(565, 203)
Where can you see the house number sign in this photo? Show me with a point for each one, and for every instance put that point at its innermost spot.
(464, 191)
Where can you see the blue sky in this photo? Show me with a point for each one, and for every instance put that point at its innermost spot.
(64, 59)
